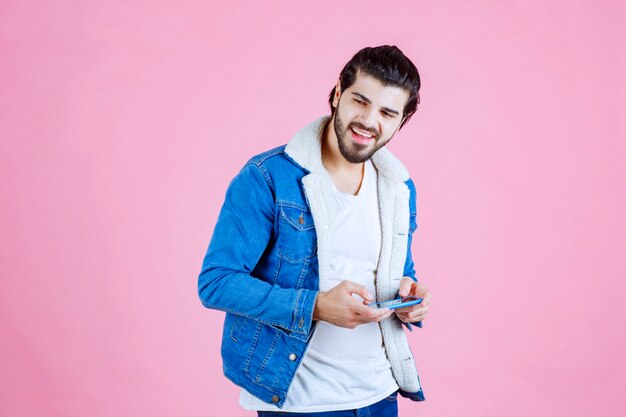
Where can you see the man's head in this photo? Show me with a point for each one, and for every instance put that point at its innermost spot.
(389, 66)
(376, 94)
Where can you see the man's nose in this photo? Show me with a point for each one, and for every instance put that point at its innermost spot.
(369, 120)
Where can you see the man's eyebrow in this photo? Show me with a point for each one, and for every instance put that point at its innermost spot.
(367, 100)
(362, 97)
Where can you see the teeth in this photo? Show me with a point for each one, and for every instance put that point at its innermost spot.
(358, 132)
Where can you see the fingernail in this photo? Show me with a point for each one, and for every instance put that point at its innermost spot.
(370, 296)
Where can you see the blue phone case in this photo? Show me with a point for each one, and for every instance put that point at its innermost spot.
(397, 303)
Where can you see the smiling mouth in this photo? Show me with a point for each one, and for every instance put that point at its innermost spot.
(362, 136)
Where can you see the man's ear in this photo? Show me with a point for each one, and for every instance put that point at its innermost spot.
(337, 94)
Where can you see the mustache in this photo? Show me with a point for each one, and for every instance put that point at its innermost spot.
(364, 128)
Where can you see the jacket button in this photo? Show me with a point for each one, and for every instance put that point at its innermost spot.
(293, 357)
(301, 219)
(275, 398)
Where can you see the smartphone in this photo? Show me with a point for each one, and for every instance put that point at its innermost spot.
(397, 303)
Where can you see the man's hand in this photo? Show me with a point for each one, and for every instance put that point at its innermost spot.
(416, 312)
(340, 308)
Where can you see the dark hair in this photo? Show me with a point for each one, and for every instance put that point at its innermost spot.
(390, 66)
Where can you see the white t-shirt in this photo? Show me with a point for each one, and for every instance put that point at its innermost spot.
(343, 368)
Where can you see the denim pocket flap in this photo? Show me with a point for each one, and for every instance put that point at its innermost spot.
(297, 217)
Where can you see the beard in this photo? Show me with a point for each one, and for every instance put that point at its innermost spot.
(352, 151)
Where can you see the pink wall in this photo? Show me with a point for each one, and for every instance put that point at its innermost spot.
(121, 124)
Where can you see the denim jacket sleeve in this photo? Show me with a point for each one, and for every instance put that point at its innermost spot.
(409, 266)
(243, 230)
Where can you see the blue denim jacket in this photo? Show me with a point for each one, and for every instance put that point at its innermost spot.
(268, 254)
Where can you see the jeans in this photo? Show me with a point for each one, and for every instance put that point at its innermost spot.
(387, 407)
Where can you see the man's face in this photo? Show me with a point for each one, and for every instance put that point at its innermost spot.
(367, 115)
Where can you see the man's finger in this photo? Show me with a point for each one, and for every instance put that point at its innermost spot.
(383, 317)
(405, 286)
(370, 313)
(355, 288)
(409, 309)
(411, 318)
(418, 312)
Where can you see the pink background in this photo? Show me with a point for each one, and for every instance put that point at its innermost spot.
(122, 123)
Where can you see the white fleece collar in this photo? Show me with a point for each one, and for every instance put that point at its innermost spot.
(305, 148)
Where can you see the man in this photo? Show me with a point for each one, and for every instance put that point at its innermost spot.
(311, 233)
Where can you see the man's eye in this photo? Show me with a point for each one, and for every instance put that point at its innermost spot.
(359, 101)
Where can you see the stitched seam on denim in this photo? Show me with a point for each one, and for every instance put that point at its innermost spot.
(283, 235)
(301, 259)
(260, 159)
(269, 354)
(261, 321)
(286, 203)
(297, 226)
(273, 390)
(300, 307)
(295, 311)
(280, 251)
(246, 379)
(232, 330)
(246, 366)
(299, 336)
(277, 270)
(265, 175)
(303, 272)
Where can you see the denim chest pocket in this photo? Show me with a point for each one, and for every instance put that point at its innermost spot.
(297, 239)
